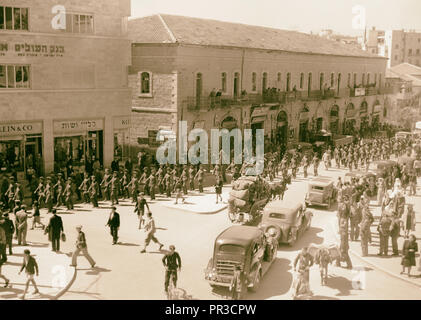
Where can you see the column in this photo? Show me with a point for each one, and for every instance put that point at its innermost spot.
(108, 141)
(48, 146)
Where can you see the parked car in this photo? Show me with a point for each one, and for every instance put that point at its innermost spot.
(244, 246)
(381, 166)
(286, 220)
(321, 192)
(358, 175)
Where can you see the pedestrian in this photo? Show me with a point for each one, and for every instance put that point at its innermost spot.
(9, 229)
(178, 191)
(140, 208)
(237, 285)
(326, 159)
(409, 249)
(81, 246)
(344, 245)
(37, 216)
(48, 195)
(6, 280)
(409, 220)
(355, 217)
(30, 266)
(395, 229)
(199, 178)
(105, 184)
(218, 189)
(68, 192)
(54, 230)
(301, 283)
(22, 225)
(172, 263)
(316, 162)
(384, 234)
(3, 244)
(114, 188)
(150, 233)
(84, 187)
(114, 224)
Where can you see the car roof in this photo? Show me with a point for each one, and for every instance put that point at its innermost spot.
(287, 207)
(240, 235)
(322, 181)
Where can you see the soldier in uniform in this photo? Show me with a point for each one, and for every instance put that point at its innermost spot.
(167, 181)
(384, 234)
(199, 177)
(114, 187)
(133, 187)
(151, 181)
(93, 192)
(105, 184)
(84, 186)
(185, 180)
(191, 177)
(68, 191)
(48, 193)
(59, 189)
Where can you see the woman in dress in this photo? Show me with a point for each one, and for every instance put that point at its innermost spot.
(410, 247)
(408, 219)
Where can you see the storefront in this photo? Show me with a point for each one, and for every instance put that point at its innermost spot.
(21, 148)
(122, 137)
(303, 134)
(334, 119)
(78, 143)
(350, 120)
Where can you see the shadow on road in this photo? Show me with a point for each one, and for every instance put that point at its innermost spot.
(309, 237)
(276, 282)
(342, 284)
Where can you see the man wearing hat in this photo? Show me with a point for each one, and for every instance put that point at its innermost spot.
(114, 224)
(81, 246)
(172, 263)
(22, 225)
(55, 228)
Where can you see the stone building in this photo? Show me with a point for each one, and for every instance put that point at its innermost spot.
(217, 74)
(63, 82)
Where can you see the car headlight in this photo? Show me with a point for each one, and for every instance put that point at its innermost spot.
(271, 230)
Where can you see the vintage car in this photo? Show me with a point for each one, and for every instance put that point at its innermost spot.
(321, 192)
(287, 221)
(245, 246)
(403, 135)
(359, 175)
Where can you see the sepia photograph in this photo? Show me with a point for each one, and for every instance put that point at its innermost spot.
(210, 150)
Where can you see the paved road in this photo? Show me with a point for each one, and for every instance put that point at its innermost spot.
(124, 273)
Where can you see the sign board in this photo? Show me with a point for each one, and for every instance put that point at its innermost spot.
(359, 92)
(123, 122)
(77, 126)
(20, 128)
(30, 49)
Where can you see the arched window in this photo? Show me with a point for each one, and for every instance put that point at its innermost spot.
(254, 82)
(302, 81)
(145, 82)
(264, 81)
(224, 82)
(288, 81)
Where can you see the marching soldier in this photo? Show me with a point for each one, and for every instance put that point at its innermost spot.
(191, 177)
(84, 188)
(124, 183)
(133, 187)
(93, 192)
(68, 191)
(59, 188)
(199, 177)
(114, 187)
(105, 184)
(152, 184)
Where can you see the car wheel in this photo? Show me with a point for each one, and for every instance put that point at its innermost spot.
(257, 281)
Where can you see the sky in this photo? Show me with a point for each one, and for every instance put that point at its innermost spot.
(302, 15)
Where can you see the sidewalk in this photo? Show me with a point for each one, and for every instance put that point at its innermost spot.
(391, 264)
(55, 274)
(201, 203)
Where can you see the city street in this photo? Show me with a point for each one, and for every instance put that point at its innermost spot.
(122, 272)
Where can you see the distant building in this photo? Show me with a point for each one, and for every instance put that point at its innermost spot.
(398, 46)
(329, 34)
(217, 74)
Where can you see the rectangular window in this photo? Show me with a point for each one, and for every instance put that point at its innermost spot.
(355, 79)
(332, 80)
(79, 23)
(13, 18)
(224, 82)
(14, 76)
(368, 78)
(349, 80)
(410, 52)
(253, 82)
(302, 81)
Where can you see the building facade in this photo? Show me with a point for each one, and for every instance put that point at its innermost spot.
(218, 75)
(63, 82)
(399, 46)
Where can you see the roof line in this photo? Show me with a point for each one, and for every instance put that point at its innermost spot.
(173, 38)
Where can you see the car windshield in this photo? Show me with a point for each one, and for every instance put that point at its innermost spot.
(277, 216)
(230, 248)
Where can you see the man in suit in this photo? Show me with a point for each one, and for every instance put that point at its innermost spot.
(9, 229)
(22, 225)
(31, 267)
(114, 224)
(55, 228)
